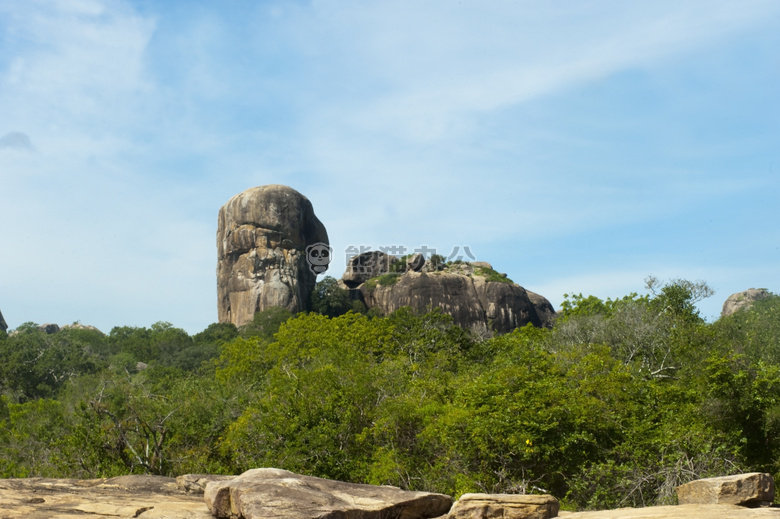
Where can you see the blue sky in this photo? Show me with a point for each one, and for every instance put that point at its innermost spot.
(578, 146)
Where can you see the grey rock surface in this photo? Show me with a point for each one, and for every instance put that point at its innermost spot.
(743, 300)
(3, 324)
(263, 493)
(415, 262)
(544, 309)
(464, 293)
(262, 235)
(49, 328)
(366, 265)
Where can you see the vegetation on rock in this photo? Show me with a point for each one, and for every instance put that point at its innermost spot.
(617, 404)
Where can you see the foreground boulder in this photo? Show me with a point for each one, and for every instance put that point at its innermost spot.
(505, 506)
(145, 497)
(263, 493)
(262, 235)
(743, 300)
(752, 489)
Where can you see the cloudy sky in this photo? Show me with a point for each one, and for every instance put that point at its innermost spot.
(578, 146)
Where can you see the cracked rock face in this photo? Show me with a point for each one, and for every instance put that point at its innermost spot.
(262, 235)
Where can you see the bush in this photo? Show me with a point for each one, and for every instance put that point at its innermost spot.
(492, 275)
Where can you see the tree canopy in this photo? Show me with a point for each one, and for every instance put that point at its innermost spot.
(617, 404)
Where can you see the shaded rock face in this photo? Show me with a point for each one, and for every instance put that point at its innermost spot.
(460, 291)
(366, 265)
(3, 325)
(49, 328)
(263, 493)
(415, 262)
(743, 300)
(262, 235)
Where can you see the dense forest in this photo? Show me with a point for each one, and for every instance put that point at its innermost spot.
(617, 404)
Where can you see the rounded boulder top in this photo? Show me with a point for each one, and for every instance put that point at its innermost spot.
(263, 235)
(274, 207)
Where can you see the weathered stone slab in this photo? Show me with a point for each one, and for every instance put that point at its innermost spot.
(264, 493)
(504, 506)
(749, 489)
(145, 497)
(679, 512)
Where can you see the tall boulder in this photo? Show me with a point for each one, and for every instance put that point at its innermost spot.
(262, 235)
(743, 300)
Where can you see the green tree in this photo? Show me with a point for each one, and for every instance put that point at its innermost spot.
(317, 393)
(329, 298)
(266, 323)
(36, 365)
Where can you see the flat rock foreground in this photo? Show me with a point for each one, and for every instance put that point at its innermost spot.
(279, 494)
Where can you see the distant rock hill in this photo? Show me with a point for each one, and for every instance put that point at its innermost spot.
(271, 247)
(475, 295)
(3, 325)
(743, 300)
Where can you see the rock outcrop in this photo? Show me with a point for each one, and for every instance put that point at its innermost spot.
(367, 265)
(49, 328)
(145, 497)
(476, 296)
(743, 300)
(679, 512)
(285, 495)
(262, 235)
(3, 325)
(505, 506)
(263, 493)
(752, 489)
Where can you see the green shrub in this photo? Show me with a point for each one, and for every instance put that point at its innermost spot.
(492, 275)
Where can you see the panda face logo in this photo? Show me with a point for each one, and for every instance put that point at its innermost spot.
(318, 256)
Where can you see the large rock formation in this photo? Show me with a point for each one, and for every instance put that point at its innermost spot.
(285, 495)
(262, 235)
(476, 296)
(3, 325)
(262, 493)
(743, 300)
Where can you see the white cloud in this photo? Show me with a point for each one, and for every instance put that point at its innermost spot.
(400, 120)
(74, 72)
